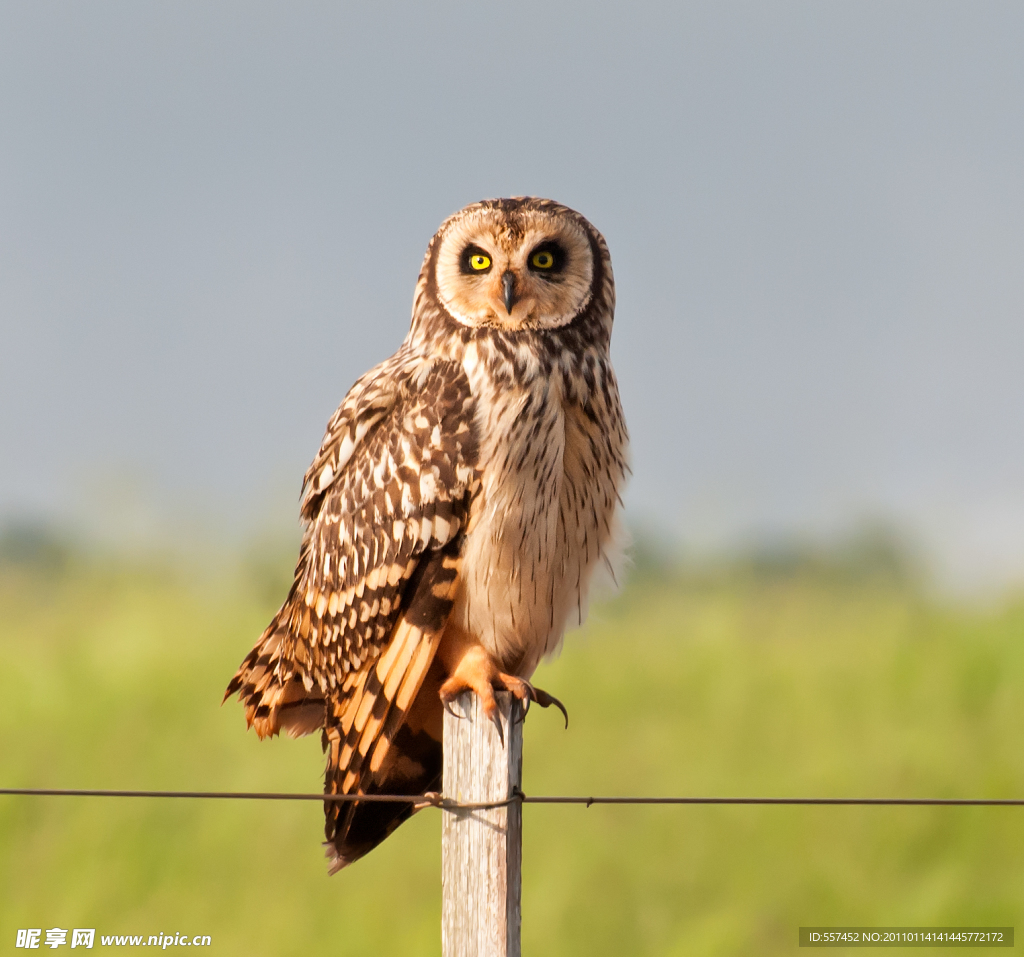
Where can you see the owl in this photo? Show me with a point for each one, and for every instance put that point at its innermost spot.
(466, 496)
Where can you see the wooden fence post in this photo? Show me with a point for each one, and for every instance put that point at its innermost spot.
(481, 850)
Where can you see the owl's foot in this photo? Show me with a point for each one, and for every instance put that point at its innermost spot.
(477, 672)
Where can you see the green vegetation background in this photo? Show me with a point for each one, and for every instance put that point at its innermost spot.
(798, 680)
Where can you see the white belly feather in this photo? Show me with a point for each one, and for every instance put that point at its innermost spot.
(545, 520)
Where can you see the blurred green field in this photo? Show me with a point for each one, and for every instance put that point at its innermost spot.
(731, 684)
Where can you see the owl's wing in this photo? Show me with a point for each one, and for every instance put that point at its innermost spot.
(386, 501)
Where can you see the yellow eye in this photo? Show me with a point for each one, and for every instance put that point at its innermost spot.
(542, 260)
(480, 262)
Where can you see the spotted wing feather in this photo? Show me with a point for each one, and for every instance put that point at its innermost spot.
(385, 501)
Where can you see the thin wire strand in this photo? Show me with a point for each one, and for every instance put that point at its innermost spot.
(433, 799)
(994, 802)
(429, 799)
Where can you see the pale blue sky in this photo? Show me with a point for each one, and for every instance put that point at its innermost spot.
(212, 215)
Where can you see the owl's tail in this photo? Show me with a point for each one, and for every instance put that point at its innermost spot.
(404, 757)
(385, 736)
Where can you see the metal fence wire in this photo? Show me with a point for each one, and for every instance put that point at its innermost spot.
(434, 799)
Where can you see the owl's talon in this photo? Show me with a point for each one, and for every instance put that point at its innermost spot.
(496, 718)
(446, 703)
(546, 700)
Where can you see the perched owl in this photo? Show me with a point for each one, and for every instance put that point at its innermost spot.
(465, 495)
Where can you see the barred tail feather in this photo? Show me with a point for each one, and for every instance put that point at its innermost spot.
(385, 738)
(411, 764)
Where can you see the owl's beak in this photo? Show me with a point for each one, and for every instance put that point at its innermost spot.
(508, 283)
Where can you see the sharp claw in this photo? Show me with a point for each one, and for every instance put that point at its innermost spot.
(447, 705)
(496, 718)
(546, 700)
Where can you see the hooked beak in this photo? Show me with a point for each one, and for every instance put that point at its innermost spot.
(508, 283)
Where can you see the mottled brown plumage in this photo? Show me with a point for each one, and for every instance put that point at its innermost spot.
(466, 492)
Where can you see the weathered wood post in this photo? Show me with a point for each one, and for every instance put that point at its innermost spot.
(481, 849)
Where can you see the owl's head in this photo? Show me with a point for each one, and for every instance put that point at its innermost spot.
(513, 264)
